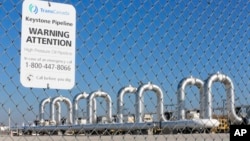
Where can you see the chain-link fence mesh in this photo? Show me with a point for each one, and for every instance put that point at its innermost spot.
(154, 59)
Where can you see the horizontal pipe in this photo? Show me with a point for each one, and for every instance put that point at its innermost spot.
(191, 123)
(85, 127)
(178, 124)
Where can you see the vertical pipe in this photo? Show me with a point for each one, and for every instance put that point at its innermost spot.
(58, 108)
(42, 107)
(70, 109)
(52, 108)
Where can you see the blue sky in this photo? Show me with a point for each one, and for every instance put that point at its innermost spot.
(127, 42)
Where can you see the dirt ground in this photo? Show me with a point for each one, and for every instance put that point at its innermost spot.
(170, 137)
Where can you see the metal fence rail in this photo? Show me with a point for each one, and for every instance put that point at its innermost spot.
(145, 70)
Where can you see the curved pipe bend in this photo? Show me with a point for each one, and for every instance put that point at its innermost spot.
(42, 107)
(181, 95)
(91, 114)
(61, 99)
(140, 101)
(76, 99)
(120, 102)
(218, 77)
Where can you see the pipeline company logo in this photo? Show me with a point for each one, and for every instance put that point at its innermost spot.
(33, 9)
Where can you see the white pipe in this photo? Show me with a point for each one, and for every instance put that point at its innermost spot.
(120, 103)
(91, 127)
(181, 96)
(58, 109)
(61, 99)
(75, 104)
(76, 99)
(140, 102)
(218, 77)
(42, 107)
(191, 123)
(177, 124)
(91, 114)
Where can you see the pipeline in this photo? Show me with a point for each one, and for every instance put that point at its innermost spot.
(205, 89)
(76, 99)
(181, 96)
(91, 97)
(140, 101)
(42, 107)
(120, 103)
(218, 77)
(61, 99)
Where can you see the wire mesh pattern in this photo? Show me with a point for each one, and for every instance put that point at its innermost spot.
(149, 47)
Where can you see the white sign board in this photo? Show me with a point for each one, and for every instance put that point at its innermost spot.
(48, 45)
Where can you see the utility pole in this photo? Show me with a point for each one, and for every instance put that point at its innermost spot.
(223, 106)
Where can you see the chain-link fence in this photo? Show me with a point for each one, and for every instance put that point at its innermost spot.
(145, 70)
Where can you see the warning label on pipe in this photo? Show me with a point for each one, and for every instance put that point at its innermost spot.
(48, 45)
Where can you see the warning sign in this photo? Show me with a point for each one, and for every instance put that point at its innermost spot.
(48, 45)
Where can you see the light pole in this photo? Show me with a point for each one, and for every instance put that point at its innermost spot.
(9, 118)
